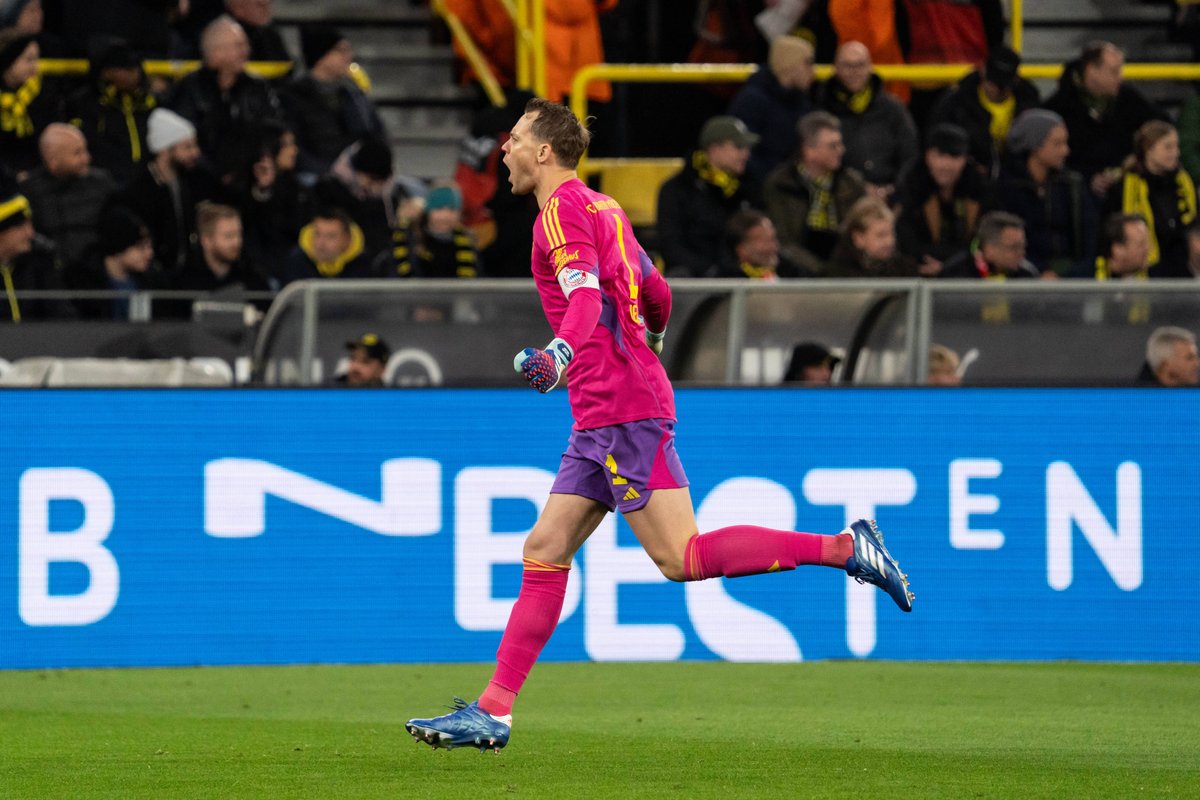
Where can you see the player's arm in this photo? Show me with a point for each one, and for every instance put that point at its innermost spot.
(571, 254)
(656, 302)
(544, 368)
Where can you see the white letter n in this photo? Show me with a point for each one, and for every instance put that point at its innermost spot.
(1068, 503)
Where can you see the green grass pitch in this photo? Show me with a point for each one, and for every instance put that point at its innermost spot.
(687, 730)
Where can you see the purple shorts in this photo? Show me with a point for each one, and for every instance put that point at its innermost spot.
(620, 465)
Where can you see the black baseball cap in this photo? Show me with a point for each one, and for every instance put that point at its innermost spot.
(373, 345)
(1001, 67)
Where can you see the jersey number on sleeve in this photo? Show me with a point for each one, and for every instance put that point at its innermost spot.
(633, 276)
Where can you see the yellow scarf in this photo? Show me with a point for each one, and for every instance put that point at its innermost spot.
(758, 273)
(1135, 199)
(331, 269)
(14, 107)
(725, 181)
(857, 102)
(1002, 115)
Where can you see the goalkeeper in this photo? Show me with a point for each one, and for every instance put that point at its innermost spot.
(609, 307)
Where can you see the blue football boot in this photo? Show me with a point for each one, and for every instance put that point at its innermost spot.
(872, 563)
(467, 726)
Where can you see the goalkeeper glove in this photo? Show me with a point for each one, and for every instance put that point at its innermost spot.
(655, 340)
(544, 368)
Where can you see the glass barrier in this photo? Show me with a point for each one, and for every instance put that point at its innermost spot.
(465, 334)
(1050, 333)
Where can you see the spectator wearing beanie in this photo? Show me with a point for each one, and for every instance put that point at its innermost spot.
(772, 102)
(437, 245)
(113, 108)
(164, 191)
(326, 108)
(27, 262)
(25, 108)
(121, 260)
(1035, 184)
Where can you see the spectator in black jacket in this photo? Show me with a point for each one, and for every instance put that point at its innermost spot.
(998, 252)
(878, 132)
(112, 110)
(65, 193)
(26, 261)
(1034, 184)
(121, 260)
(694, 206)
(25, 107)
(274, 204)
(215, 263)
(985, 103)
(772, 102)
(225, 103)
(1101, 113)
(938, 200)
(326, 108)
(164, 191)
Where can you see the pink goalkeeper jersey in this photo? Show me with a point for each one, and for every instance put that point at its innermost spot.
(583, 240)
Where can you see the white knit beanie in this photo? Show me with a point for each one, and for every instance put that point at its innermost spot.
(166, 128)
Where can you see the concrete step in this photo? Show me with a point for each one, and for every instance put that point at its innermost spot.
(428, 159)
(427, 117)
(391, 12)
(1086, 12)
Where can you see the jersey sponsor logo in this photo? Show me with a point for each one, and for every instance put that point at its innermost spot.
(562, 258)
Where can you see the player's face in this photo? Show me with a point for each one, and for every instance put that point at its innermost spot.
(521, 155)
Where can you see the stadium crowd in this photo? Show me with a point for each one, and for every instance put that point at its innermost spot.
(224, 179)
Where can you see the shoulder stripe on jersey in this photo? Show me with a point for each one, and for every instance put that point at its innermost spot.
(547, 228)
(557, 224)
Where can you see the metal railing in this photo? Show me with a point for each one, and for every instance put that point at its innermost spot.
(729, 332)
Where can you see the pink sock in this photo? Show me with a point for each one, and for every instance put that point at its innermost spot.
(533, 619)
(749, 550)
